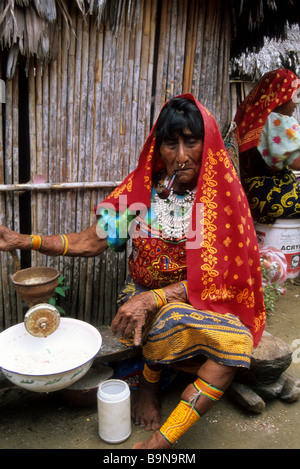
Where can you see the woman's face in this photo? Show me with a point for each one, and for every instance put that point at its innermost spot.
(287, 109)
(183, 153)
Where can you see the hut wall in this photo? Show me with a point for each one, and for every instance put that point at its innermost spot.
(89, 112)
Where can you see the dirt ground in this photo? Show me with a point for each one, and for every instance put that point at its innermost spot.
(30, 420)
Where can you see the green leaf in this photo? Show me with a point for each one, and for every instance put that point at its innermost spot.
(60, 310)
(52, 301)
(60, 291)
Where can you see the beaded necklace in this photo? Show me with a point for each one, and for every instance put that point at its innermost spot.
(173, 214)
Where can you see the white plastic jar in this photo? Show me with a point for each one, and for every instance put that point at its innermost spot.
(114, 417)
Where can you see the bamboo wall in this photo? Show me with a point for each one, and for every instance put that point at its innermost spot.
(89, 113)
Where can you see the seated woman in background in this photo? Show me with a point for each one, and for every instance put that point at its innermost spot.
(269, 147)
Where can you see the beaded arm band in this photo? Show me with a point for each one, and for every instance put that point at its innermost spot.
(160, 296)
(64, 244)
(36, 243)
(185, 286)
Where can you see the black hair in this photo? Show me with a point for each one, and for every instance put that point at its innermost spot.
(178, 115)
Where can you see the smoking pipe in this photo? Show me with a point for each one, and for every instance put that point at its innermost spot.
(163, 191)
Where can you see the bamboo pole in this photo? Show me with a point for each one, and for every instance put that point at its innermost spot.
(8, 162)
(83, 90)
(5, 304)
(12, 309)
(47, 229)
(32, 142)
(57, 158)
(64, 199)
(160, 78)
(190, 47)
(88, 196)
(96, 153)
(53, 225)
(2, 216)
(70, 198)
(75, 153)
(39, 141)
(16, 303)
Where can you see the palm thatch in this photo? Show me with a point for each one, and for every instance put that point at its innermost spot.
(29, 27)
(255, 20)
(275, 53)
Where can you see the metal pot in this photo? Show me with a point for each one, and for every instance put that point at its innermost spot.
(46, 364)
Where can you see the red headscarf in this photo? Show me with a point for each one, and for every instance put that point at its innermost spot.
(274, 89)
(223, 272)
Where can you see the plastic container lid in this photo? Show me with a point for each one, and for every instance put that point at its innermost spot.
(113, 390)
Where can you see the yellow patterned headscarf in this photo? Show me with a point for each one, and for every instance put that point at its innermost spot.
(274, 89)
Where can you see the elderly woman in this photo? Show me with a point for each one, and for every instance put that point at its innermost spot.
(269, 145)
(194, 296)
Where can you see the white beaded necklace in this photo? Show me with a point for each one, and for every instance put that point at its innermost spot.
(173, 214)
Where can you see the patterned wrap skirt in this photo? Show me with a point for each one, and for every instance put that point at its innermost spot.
(179, 332)
(273, 196)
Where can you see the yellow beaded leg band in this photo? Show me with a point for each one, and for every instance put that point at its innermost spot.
(152, 376)
(160, 297)
(180, 420)
(36, 242)
(208, 390)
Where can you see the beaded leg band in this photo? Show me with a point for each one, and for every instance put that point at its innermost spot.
(180, 420)
(152, 376)
(207, 390)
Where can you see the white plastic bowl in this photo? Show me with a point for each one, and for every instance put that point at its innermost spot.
(51, 363)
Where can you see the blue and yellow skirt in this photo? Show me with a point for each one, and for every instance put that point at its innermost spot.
(179, 332)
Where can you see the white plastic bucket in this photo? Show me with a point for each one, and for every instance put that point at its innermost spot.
(114, 417)
(285, 236)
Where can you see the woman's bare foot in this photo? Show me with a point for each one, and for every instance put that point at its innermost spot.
(146, 405)
(156, 441)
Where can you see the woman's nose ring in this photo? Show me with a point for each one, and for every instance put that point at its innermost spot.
(181, 166)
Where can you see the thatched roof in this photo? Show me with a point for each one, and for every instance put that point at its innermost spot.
(276, 53)
(29, 27)
(257, 19)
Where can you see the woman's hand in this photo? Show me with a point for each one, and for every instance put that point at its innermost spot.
(132, 315)
(10, 240)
